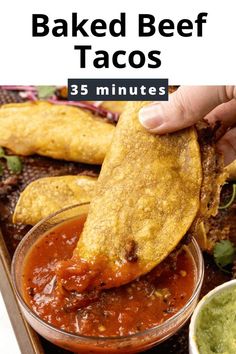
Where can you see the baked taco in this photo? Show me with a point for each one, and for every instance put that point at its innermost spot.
(151, 192)
(50, 194)
(57, 131)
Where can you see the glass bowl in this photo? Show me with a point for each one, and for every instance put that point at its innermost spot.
(83, 344)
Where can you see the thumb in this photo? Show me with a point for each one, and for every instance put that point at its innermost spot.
(185, 107)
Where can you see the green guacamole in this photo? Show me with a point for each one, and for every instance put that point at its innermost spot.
(216, 324)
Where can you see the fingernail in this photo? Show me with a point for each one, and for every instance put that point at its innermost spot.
(151, 116)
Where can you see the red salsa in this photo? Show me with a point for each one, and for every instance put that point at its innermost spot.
(139, 305)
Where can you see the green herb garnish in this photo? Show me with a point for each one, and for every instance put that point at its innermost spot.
(45, 92)
(224, 253)
(14, 163)
(230, 202)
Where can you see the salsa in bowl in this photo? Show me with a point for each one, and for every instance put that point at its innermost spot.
(127, 319)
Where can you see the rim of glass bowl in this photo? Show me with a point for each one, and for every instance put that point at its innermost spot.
(160, 327)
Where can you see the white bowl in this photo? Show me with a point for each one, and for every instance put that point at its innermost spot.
(193, 349)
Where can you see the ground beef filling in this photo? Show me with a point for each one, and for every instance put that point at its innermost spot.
(213, 179)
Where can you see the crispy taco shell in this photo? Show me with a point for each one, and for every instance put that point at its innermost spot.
(57, 131)
(50, 194)
(147, 196)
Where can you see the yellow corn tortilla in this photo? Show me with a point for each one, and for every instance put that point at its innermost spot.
(50, 194)
(57, 131)
(147, 195)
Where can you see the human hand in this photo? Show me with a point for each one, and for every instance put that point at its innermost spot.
(189, 104)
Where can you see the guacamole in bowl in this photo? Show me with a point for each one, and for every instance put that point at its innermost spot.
(213, 325)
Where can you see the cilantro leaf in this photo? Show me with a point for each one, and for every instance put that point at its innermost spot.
(1, 170)
(45, 91)
(224, 253)
(2, 153)
(14, 164)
